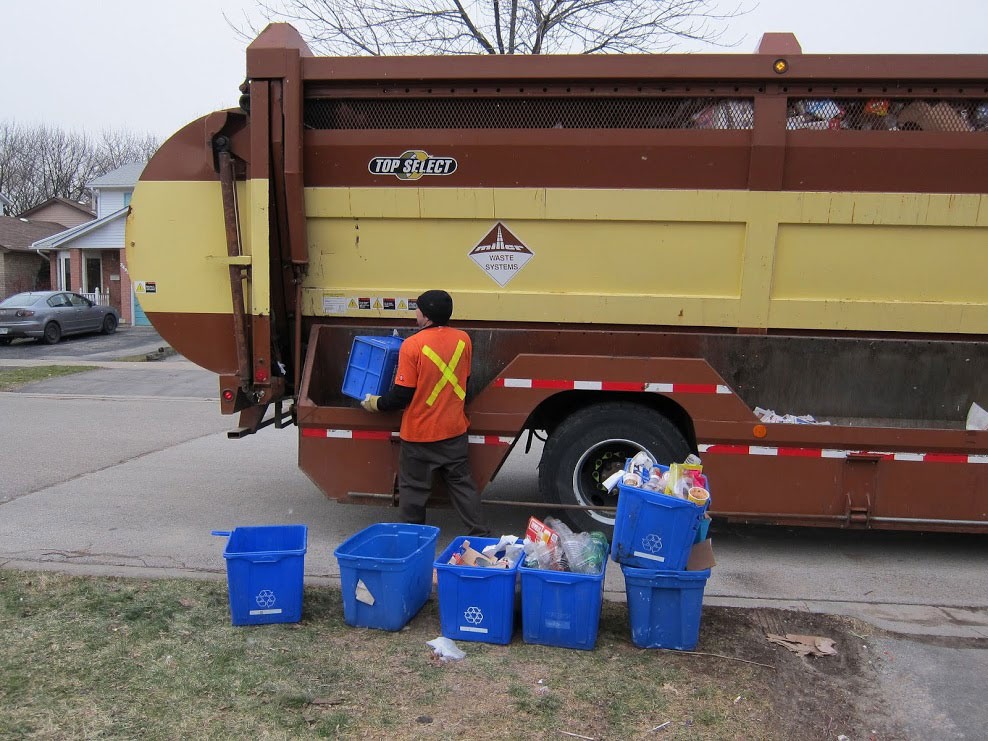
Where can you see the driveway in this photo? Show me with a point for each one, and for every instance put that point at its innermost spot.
(124, 343)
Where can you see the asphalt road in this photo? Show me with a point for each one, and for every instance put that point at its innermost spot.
(117, 471)
(125, 342)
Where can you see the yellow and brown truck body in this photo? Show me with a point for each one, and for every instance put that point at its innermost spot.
(686, 237)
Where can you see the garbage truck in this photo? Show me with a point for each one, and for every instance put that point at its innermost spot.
(649, 252)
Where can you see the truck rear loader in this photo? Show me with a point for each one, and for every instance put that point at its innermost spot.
(643, 249)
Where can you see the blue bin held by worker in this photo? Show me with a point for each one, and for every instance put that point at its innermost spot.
(560, 608)
(653, 530)
(475, 604)
(664, 606)
(386, 574)
(372, 365)
(264, 567)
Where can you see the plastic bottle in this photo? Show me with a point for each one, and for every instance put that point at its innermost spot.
(595, 563)
(655, 482)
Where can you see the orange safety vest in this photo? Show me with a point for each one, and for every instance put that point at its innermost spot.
(436, 362)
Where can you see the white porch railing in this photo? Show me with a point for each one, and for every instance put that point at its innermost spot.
(100, 299)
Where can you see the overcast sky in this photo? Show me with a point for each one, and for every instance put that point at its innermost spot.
(154, 66)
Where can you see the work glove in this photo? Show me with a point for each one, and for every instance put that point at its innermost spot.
(370, 403)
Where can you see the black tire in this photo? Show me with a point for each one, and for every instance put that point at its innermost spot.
(593, 443)
(53, 333)
(6, 340)
(109, 324)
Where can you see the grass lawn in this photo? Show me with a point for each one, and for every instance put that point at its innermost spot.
(118, 658)
(12, 378)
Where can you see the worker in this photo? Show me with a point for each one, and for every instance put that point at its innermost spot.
(430, 385)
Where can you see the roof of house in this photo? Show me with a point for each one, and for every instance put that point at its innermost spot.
(57, 240)
(58, 199)
(19, 234)
(125, 176)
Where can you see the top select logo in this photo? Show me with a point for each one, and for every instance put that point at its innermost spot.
(412, 165)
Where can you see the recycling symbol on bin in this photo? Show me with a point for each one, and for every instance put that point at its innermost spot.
(651, 543)
(265, 598)
(474, 616)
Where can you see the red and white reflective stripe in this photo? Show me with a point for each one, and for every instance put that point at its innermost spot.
(388, 435)
(687, 388)
(784, 452)
(348, 434)
(489, 440)
(657, 388)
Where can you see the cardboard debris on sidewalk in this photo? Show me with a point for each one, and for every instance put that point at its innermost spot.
(804, 645)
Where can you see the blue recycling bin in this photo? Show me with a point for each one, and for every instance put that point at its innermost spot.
(476, 604)
(372, 365)
(392, 562)
(664, 606)
(264, 566)
(653, 530)
(560, 608)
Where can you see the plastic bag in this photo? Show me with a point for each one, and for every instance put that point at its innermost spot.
(977, 418)
(511, 548)
(445, 649)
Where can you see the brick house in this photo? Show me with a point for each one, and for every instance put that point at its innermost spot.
(21, 268)
(89, 258)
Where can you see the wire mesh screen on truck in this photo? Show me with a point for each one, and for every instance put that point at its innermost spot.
(888, 114)
(531, 113)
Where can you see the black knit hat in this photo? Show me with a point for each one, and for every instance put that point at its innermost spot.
(436, 306)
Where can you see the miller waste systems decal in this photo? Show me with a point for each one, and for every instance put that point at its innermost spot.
(501, 254)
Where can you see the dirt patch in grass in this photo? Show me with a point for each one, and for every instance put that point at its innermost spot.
(98, 657)
(15, 378)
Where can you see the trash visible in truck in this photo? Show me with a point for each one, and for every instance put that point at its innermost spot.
(770, 416)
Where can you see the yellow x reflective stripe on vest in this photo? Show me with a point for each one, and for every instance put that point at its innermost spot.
(447, 370)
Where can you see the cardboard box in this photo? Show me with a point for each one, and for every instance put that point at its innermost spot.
(701, 556)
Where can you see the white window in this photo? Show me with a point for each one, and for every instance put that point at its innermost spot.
(64, 273)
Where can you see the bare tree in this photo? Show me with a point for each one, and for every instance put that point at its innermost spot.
(39, 162)
(379, 27)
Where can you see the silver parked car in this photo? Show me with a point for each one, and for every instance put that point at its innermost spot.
(48, 315)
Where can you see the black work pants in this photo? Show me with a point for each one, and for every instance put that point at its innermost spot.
(418, 462)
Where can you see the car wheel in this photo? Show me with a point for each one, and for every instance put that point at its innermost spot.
(109, 324)
(53, 333)
(6, 340)
(595, 442)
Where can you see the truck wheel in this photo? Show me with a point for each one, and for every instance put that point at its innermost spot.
(592, 444)
(53, 333)
(5, 340)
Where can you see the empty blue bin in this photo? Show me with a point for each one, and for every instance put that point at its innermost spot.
(664, 606)
(372, 365)
(394, 562)
(560, 608)
(652, 530)
(264, 568)
(476, 604)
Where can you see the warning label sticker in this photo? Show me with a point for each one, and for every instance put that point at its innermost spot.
(389, 304)
(334, 304)
(363, 303)
(501, 254)
(145, 286)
